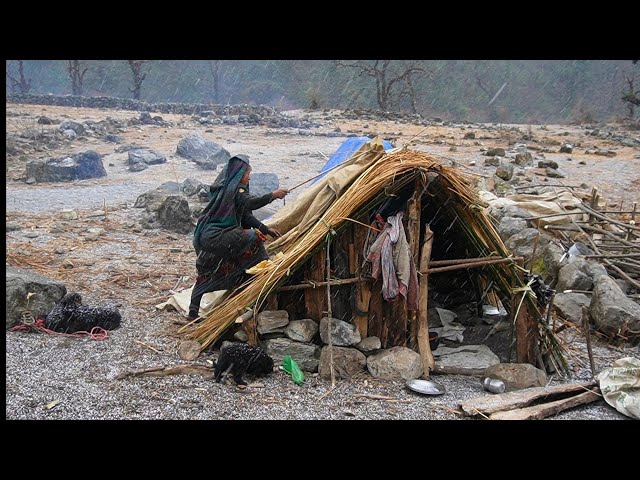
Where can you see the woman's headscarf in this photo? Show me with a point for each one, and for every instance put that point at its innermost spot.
(220, 214)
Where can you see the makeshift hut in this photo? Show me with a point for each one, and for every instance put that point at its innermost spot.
(328, 231)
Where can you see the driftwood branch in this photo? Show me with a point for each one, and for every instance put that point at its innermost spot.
(490, 404)
(163, 371)
(538, 412)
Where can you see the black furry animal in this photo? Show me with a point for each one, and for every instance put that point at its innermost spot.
(241, 358)
(69, 316)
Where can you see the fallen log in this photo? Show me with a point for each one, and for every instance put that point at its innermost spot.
(538, 412)
(489, 404)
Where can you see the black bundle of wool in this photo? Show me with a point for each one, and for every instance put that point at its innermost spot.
(70, 316)
(542, 291)
(241, 358)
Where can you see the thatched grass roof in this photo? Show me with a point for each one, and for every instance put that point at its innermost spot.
(381, 173)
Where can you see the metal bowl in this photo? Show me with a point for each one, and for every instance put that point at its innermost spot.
(426, 387)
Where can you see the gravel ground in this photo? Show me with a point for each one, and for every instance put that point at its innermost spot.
(56, 377)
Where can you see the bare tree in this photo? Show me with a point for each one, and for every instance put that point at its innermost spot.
(76, 73)
(214, 67)
(394, 79)
(138, 76)
(631, 96)
(20, 83)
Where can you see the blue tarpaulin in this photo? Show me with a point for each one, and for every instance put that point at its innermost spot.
(348, 148)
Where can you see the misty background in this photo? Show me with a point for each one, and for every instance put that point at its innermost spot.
(504, 91)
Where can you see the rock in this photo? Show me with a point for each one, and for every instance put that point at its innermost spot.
(147, 156)
(12, 227)
(152, 199)
(76, 167)
(45, 120)
(301, 330)
(517, 376)
(369, 344)
(262, 183)
(522, 243)
(32, 235)
(68, 214)
(552, 173)
(138, 167)
(465, 360)
(76, 127)
(569, 305)
(191, 186)
(346, 362)
(566, 148)
(509, 226)
(547, 262)
(110, 137)
(205, 153)
(469, 135)
(548, 164)
(579, 274)
(505, 173)
(306, 355)
(189, 350)
(492, 161)
(613, 313)
(19, 283)
(174, 214)
(342, 333)
(270, 321)
(495, 152)
(241, 336)
(523, 159)
(397, 363)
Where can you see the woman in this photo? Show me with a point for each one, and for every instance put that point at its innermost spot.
(228, 238)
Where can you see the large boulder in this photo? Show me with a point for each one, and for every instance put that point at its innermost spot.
(65, 169)
(20, 283)
(174, 214)
(613, 313)
(580, 274)
(205, 153)
(397, 363)
(569, 305)
(272, 321)
(346, 362)
(262, 183)
(152, 199)
(465, 360)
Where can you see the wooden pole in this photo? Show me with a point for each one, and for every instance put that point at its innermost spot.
(413, 234)
(424, 348)
(526, 328)
(329, 314)
(587, 334)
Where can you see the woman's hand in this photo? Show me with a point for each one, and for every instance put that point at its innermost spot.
(280, 193)
(274, 233)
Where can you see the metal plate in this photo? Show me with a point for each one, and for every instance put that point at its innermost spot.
(426, 387)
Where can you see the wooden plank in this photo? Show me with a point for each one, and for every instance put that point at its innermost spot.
(376, 313)
(489, 404)
(538, 412)
(423, 304)
(315, 299)
(362, 290)
(272, 301)
(395, 319)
